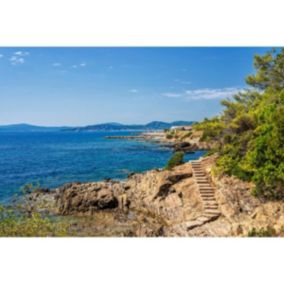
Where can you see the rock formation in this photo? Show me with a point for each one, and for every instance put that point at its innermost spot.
(186, 201)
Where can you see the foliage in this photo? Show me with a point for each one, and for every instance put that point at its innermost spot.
(211, 129)
(169, 136)
(268, 232)
(250, 132)
(22, 219)
(175, 160)
(270, 73)
(16, 224)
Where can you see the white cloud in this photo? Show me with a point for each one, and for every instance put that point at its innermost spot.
(81, 65)
(56, 64)
(21, 53)
(210, 94)
(172, 95)
(134, 91)
(205, 94)
(15, 60)
(18, 57)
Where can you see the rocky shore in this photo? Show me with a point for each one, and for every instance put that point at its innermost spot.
(179, 142)
(160, 203)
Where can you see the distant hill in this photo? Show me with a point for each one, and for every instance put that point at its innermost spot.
(154, 125)
(111, 126)
(22, 127)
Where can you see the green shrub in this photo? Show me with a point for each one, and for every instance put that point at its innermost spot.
(175, 160)
(268, 232)
(18, 224)
(169, 136)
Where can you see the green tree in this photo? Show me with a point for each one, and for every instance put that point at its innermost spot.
(270, 71)
(250, 132)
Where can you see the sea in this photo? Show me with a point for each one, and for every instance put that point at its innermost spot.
(50, 159)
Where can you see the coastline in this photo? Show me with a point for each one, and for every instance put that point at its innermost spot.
(187, 144)
(161, 202)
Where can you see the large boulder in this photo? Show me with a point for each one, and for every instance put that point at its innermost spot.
(78, 198)
(185, 147)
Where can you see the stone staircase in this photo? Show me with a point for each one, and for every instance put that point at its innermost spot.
(210, 205)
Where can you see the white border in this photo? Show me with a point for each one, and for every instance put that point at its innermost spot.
(141, 23)
(159, 260)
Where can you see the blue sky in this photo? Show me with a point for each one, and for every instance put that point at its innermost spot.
(82, 86)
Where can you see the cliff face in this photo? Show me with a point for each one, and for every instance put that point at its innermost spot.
(164, 203)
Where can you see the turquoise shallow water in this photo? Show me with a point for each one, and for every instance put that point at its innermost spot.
(52, 159)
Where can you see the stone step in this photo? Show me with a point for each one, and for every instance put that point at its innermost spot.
(202, 181)
(206, 191)
(212, 211)
(210, 193)
(209, 207)
(210, 203)
(204, 186)
(208, 198)
(207, 195)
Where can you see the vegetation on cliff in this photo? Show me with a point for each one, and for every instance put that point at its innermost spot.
(175, 160)
(249, 135)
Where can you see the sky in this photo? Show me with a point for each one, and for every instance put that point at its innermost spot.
(84, 86)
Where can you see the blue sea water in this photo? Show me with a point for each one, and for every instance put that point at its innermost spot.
(52, 159)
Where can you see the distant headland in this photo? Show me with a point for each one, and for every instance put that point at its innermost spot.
(110, 126)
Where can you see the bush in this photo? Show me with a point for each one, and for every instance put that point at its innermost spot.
(268, 232)
(17, 224)
(169, 136)
(175, 160)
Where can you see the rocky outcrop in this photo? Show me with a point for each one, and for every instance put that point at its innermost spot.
(76, 198)
(164, 203)
(185, 147)
(241, 213)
